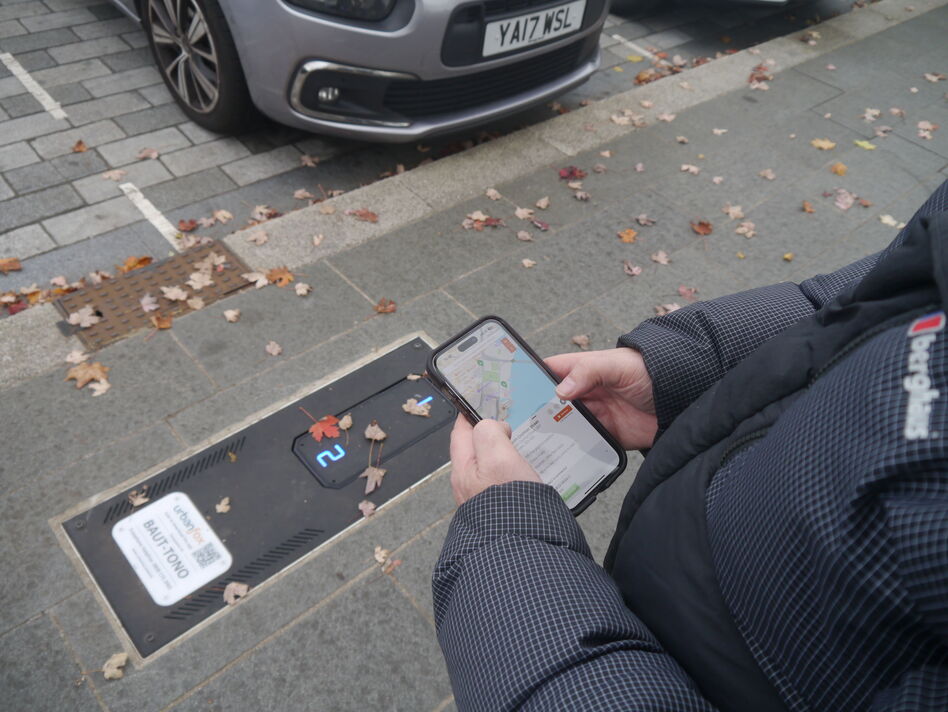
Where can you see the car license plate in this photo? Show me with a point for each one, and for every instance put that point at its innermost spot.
(515, 32)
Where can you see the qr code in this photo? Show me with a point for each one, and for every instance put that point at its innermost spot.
(206, 555)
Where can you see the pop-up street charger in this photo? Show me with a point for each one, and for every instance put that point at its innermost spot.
(162, 566)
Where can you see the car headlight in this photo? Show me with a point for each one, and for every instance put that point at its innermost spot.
(356, 9)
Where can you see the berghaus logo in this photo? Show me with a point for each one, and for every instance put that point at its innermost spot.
(918, 383)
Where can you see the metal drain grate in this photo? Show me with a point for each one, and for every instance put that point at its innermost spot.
(117, 301)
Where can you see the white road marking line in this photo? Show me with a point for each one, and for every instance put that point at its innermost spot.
(30, 84)
(152, 214)
(638, 50)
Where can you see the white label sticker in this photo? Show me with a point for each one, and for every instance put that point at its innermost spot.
(172, 549)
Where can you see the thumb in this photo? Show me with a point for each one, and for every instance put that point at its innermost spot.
(606, 368)
(491, 438)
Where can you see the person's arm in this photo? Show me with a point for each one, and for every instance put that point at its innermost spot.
(691, 348)
(527, 620)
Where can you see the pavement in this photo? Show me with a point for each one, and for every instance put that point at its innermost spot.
(61, 217)
(335, 633)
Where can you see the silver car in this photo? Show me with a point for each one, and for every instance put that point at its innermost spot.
(383, 70)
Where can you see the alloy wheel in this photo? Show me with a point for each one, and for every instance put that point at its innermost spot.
(185, 51)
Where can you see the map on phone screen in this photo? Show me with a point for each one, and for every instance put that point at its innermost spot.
(499, 380)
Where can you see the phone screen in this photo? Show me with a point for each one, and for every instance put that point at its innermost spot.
(492, 372)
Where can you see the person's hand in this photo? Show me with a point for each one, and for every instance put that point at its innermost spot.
(482, 456)
(616, 388)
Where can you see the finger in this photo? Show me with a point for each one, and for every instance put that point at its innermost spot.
(462, 442)
(492, 442)
(600, 368)
(561, 364)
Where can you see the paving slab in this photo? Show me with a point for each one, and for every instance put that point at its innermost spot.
(26, 241)
(92, 220)
(92, 135)
(96, 188)
(105, 108)
(25, 210)
(31, 344)
(126, 151)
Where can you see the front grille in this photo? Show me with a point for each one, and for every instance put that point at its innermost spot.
(415, 98)
(494, 8)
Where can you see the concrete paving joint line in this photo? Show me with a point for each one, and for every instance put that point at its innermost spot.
(411, 196)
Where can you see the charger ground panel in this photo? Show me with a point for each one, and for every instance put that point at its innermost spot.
(163, 565)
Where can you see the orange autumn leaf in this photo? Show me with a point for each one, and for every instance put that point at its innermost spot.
(10, 264)
(363, 214)
(80, 147)
(280, 276)
(628, 235)
(385, 306)
(327, 426)
(161, 322)
(838, 168)
(702, 227)
(187, 225)
(808, 207)
(133, 263)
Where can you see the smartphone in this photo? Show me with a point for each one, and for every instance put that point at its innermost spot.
(489, 371)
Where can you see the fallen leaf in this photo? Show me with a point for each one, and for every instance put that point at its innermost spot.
(373, 478)
(788, 257)
(808, 207)
(367, 508)
(187, 225)
(870, 115)
(130, 265)
(681, 139)
(80, 147)
(262, 213)
(258, 238)
(327, 426)
(666, 117)
(385, 306)
(174, 294)
(867, 145)
(391, 565)
(702, 227)
(735, 212)
(99, 388)
(627, 236)
(844, 199)
(273, 348)
(719, 132)
(10, 264)
(234, 591)
(543, 203)
(582, 341)
(206, 222)
(891, 221)
(138, 497)
(633, 270)
(663, 309)
(746, 229)
(524, 236)
(112, 670)
(528, 263)
(688, 168)
(687, 292)
(606, 154)
(572, 173)
(661, 257)
(374, 432)
(195, 303)
(303, 194)
(824, 144)
(76, 356)
(232, 315)
(280, 276)
(838, 168)
(318, 240)
(302, 289)
(199, 280)
(161, 321)
(540, 225)
(364, 215)
(575, 185)
(381, 555)
(740, 255)
(148, 153)
(412, 407)
(934, 77)
(717, 180)
(493, 194)
(810, 37)
(116, 174)
(582, 195)
(222, 216)
(524, 213)
(223, 507)
(309, 161)
(639, 167)
(644, 220)
(345, 422)
(99, 276)
(768, 174)
(84, 318)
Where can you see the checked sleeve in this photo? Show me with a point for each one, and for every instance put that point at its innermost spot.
(527, 620)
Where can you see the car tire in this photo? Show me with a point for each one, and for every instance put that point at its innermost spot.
(199, 63)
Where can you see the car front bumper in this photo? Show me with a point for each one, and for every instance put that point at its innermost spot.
(283, 49)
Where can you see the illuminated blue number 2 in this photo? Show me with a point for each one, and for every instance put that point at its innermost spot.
(337, 453)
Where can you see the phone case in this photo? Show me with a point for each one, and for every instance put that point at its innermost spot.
(436, 377)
